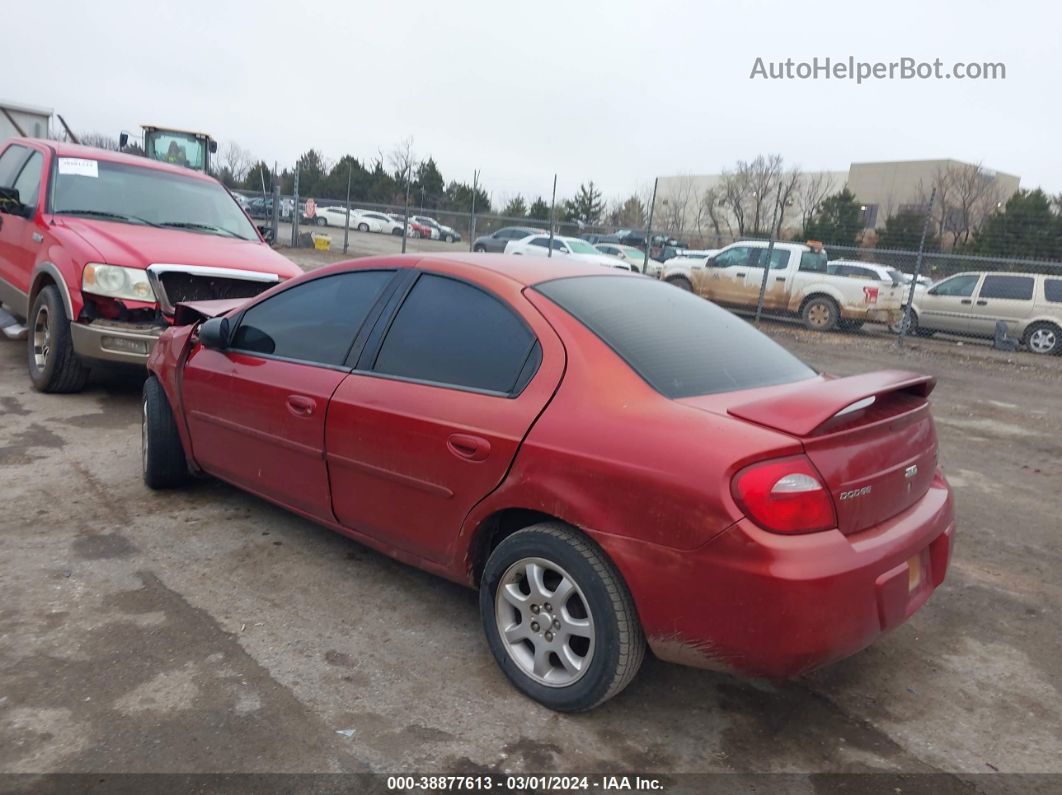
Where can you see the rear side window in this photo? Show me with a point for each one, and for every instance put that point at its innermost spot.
(681, 345)
(313, 322)
(813, 261)
(1053, 290)
(449, 332)
(1015, 288)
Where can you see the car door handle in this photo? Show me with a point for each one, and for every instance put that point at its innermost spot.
(965, 301)
(779, 278)
(301, 406)
(471, 448)
(739, 274)
(982, 303)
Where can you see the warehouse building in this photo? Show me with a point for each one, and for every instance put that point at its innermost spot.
(23, 120)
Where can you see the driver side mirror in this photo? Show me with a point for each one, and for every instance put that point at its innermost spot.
(266, 232)
(214, 333)
(10, 203)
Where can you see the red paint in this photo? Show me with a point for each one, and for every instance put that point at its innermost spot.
(418, 471)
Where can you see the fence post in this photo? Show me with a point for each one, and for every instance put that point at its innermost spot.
(775, 220)
(295, 213)
(905, 321)
(649, 229)
(472, 215)
(552, 212)
(346, 227)
(276, 211)
(405, 212)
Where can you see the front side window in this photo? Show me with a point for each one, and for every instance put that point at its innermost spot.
(28, 182)
(10, 160)
(1014, 288)
(957, 286)
(137, 195)
(680, 344)
(314, 322)
(448, 332)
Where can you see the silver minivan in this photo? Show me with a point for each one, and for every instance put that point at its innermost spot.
(971, 304)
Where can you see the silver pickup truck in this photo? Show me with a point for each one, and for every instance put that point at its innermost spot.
(798, 283)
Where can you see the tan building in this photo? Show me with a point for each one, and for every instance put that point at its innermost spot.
(23, 120)
(887, 188)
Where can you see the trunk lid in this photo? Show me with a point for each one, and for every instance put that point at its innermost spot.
(870, 436)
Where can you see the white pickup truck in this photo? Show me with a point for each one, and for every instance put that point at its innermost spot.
(797, 284)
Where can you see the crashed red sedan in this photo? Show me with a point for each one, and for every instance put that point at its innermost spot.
(613, 462)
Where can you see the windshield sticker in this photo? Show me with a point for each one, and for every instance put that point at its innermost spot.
(78, 167)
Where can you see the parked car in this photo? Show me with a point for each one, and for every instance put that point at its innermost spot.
(864, 270)
(798, 283)
(495, 241)
(538, 245)
(500, 421)
(333, 216)
(373, 221)
(971, 304)
(689, 260)
(97, 248)
(262, 207)
(412, 229)
(633, 256)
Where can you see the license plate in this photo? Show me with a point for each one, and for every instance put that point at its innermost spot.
(914, 573)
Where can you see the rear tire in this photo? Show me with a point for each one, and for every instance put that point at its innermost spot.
(1044, 339)
(162, 455)
(820, 313)
(851, 325)
(53, 365)
(572, 652)
(479, 249)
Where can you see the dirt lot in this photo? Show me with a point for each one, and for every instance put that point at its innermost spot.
(205, 630)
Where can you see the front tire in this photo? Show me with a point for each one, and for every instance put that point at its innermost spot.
(321, 221)
(682, 283)
(449, 238)
(162, 455)
(479, 249)
(53, 365)
(1044, 339)
(559, 619)
(363, 227)
(820, 314)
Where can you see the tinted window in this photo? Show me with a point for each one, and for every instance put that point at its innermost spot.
(740, 256)
(1018, 288)
(541, 241)
(680, 344)
(779, 258)
(813, 262)
(10, 160)
(314, 322)
(448, 332)
(28, 182)
(1053, 290)
(961, 286)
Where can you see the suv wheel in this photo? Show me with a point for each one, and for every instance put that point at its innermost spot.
(559, 619)
(820, 314)
(53, 365)
(1044, 338)
(164, 464)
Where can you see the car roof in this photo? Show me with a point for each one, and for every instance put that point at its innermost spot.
(66, 149)
(526, 271)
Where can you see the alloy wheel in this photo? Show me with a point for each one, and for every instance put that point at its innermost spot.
(544, 622)
(1043, 340)
(42, 338)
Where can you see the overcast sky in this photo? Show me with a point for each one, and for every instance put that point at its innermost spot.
(617, 92)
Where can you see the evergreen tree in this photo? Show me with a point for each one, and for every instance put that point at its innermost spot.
(836, 222)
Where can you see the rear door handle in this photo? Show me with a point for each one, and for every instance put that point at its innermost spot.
(470, 448)
(301, 406)
(779, 278)
(982, 303)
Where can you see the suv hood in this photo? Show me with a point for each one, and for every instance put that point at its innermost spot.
(138, 246)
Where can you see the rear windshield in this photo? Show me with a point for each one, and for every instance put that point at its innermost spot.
(681, 345)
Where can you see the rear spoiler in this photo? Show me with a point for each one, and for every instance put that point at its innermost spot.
(802, 410)
(187, 313)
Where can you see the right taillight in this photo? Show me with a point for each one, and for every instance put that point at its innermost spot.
(784, 495)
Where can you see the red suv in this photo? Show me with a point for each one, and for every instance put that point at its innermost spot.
(97, 248)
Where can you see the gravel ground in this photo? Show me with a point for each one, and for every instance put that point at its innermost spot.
(205, 630)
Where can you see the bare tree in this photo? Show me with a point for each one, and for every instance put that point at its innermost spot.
(98, 140)
(751, 190)
(713, 206)
(673, 209)
(977, 194)
(402, 159)
(813, 189)
(236, 160)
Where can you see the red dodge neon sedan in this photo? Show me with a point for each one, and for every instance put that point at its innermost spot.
(613, 462)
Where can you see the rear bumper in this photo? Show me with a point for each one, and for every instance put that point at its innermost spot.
(114, 342)
(762, 604)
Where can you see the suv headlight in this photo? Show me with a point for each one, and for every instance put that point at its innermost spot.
(117, 282)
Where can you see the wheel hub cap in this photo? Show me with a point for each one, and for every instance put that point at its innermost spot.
(42, 342)
(544, 622)
(1042, 340)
